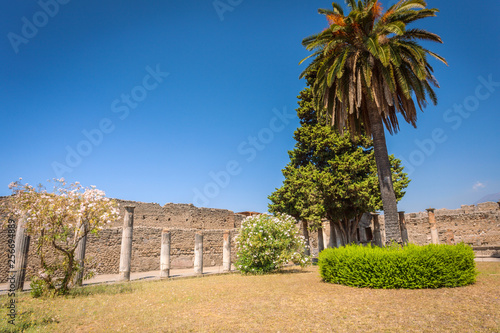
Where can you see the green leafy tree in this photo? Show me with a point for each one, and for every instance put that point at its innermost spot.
(370, 67)
(330, 175)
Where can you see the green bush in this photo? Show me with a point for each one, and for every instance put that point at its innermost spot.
(266, 243)
(38, 287)
(410, 267)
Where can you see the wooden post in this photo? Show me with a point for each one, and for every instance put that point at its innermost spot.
(321, 242)
(80, 257)
(402, 225)
(305, 230)
(198, 253)
(165, 254)
(22, 244)
(226, 252)
(432, 223)
(377, 235)
(126, 249)
(332, 241)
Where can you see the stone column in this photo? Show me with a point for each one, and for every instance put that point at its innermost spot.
(305, 230)
(226, 252)
(362, 236)
(126, 250)
(326, 238)
(332, 241)
(21, 249)
(432, 223)
(80, 257)
(198, 253)
(165, 254)
(321, 242)
(377, 235)
(402, 225)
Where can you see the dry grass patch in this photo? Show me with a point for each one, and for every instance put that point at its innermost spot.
(295, 301)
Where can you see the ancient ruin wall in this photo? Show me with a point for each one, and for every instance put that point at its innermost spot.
(146, 248)
(475, 225)
(478, 226)
(150, 219)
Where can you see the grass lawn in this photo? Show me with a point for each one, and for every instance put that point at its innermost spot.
(294, 301)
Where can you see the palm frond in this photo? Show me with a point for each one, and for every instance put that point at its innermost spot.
(370, 59)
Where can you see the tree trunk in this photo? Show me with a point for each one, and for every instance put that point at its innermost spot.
(332, 241)
(305, 230)
(63, 289)
(342, 233)
(321, 243)
(393, 233)
(338, 233)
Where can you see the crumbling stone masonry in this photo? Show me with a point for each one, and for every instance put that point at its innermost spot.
(476, 225)
(150, 219)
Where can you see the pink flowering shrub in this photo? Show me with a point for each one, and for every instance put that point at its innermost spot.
(266, 243)
(57, 221)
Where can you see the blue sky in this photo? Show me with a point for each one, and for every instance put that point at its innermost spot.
(180, 101)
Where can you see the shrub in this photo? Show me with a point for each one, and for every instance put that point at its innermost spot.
(39, 288)
(410, 267)
(266, 243)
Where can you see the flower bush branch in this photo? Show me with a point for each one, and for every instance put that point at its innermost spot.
(57, 221)
(266, 243)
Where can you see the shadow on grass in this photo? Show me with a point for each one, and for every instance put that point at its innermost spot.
(292, 271)
(283, 271)
(24, 321)
(104, 289)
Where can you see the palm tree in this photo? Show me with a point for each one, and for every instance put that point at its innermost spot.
(370, 67)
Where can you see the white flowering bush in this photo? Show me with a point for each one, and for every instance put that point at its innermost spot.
(266, 243)
(57, 221)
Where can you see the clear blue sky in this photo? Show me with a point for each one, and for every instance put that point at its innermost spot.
(152, 100)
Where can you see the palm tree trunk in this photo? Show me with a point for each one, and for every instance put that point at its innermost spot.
(392, 231)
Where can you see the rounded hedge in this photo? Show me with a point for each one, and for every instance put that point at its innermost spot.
(409, 267)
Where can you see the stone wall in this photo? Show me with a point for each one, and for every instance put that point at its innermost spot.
(478, 226)
(179, 216)
(146, 245)
(150, 219)
(475, 225)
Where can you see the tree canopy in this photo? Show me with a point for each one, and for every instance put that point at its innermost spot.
(370, 56)
(370, 67)
(330, 175)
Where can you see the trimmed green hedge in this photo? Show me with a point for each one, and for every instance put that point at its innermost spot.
(410, 267)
